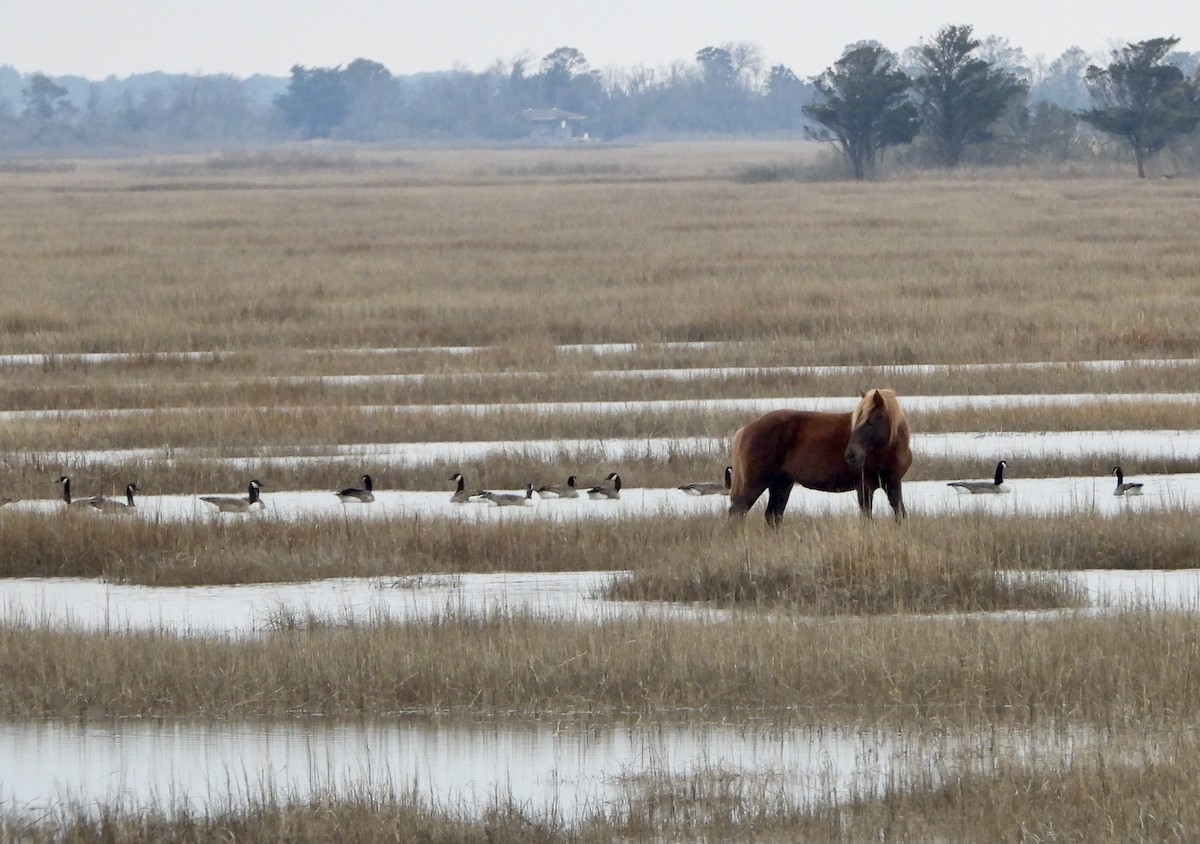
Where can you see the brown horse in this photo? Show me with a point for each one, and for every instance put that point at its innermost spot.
(832, 452)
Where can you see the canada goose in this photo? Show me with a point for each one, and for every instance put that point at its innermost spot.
(611, 488)
(350, 495)
(993, 486)
(711, 487)
(229, 504)
(1124, 487)
(461, 494)
(72, 502)
(566, 490)
(509, 499)
(108, 505)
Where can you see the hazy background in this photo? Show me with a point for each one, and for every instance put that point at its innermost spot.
(137, 76)
(245, 37)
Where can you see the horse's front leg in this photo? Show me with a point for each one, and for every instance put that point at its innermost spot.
(895, 497)
(866, 495)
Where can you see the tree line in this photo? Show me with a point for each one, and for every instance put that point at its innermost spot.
(957, 99)
(952, 98)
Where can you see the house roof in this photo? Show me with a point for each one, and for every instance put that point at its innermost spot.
(550, 114)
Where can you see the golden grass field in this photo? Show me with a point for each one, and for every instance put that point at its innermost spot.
(286, 267)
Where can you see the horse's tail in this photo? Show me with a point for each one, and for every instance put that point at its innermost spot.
(737, 459)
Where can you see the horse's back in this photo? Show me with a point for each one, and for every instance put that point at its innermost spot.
(783, 442)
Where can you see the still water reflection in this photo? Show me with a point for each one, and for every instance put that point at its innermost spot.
(568, 766)
(246, 610)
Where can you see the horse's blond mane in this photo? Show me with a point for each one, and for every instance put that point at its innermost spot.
(863, 409)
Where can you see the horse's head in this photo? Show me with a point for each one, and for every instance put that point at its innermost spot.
(872, 426)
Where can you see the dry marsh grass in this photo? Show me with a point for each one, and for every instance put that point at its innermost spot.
(167, 388)
(229, 429)
(276, 264)
(827, 565)
(380, 256)
(1125, 669)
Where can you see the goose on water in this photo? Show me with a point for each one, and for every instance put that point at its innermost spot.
(711, 487)
(461, 494)
(231, 504)
(72, 502)
(566, 490)
(611, 488)
(995, 485)
(109, 505)
(1125, 487)
(352, 495)
(509, 499)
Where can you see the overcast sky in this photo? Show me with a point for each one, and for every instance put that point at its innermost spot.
(98, 38)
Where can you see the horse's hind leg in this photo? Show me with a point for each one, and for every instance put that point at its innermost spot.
(777, 499)
(741, 501)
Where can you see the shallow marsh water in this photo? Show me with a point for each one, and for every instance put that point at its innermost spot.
(1015, 446)
(248, 609)
(1029, 496)
(567, 765)
(564, 766)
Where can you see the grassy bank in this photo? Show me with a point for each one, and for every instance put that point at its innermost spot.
(673, 557)
(1104, 670)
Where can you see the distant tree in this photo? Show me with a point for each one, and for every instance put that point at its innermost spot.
(212, 107)
(1141, 99)
(316, 102)
(1062, 82)
(961, 95)
(1052, 131)
(46, 100)
(1189, 63)
(781, 79)
(560, 66)
(746, 61)
(862, 105)
(1001, 54)
(716, 66)
(784, 97)
(568, 83)
(375, 101)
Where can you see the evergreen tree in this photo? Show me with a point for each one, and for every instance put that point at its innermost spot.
(863, 105)
(1141, 99)
(961, 95)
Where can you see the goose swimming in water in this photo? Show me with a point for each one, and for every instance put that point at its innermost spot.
(711, 487)
(566, 490)
(108, 505)
(995, 485)
(509, 499)
(611, 488)
(230, 504)
(351, 495)
(461, 494)
(1125, 487)
(73, 502)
